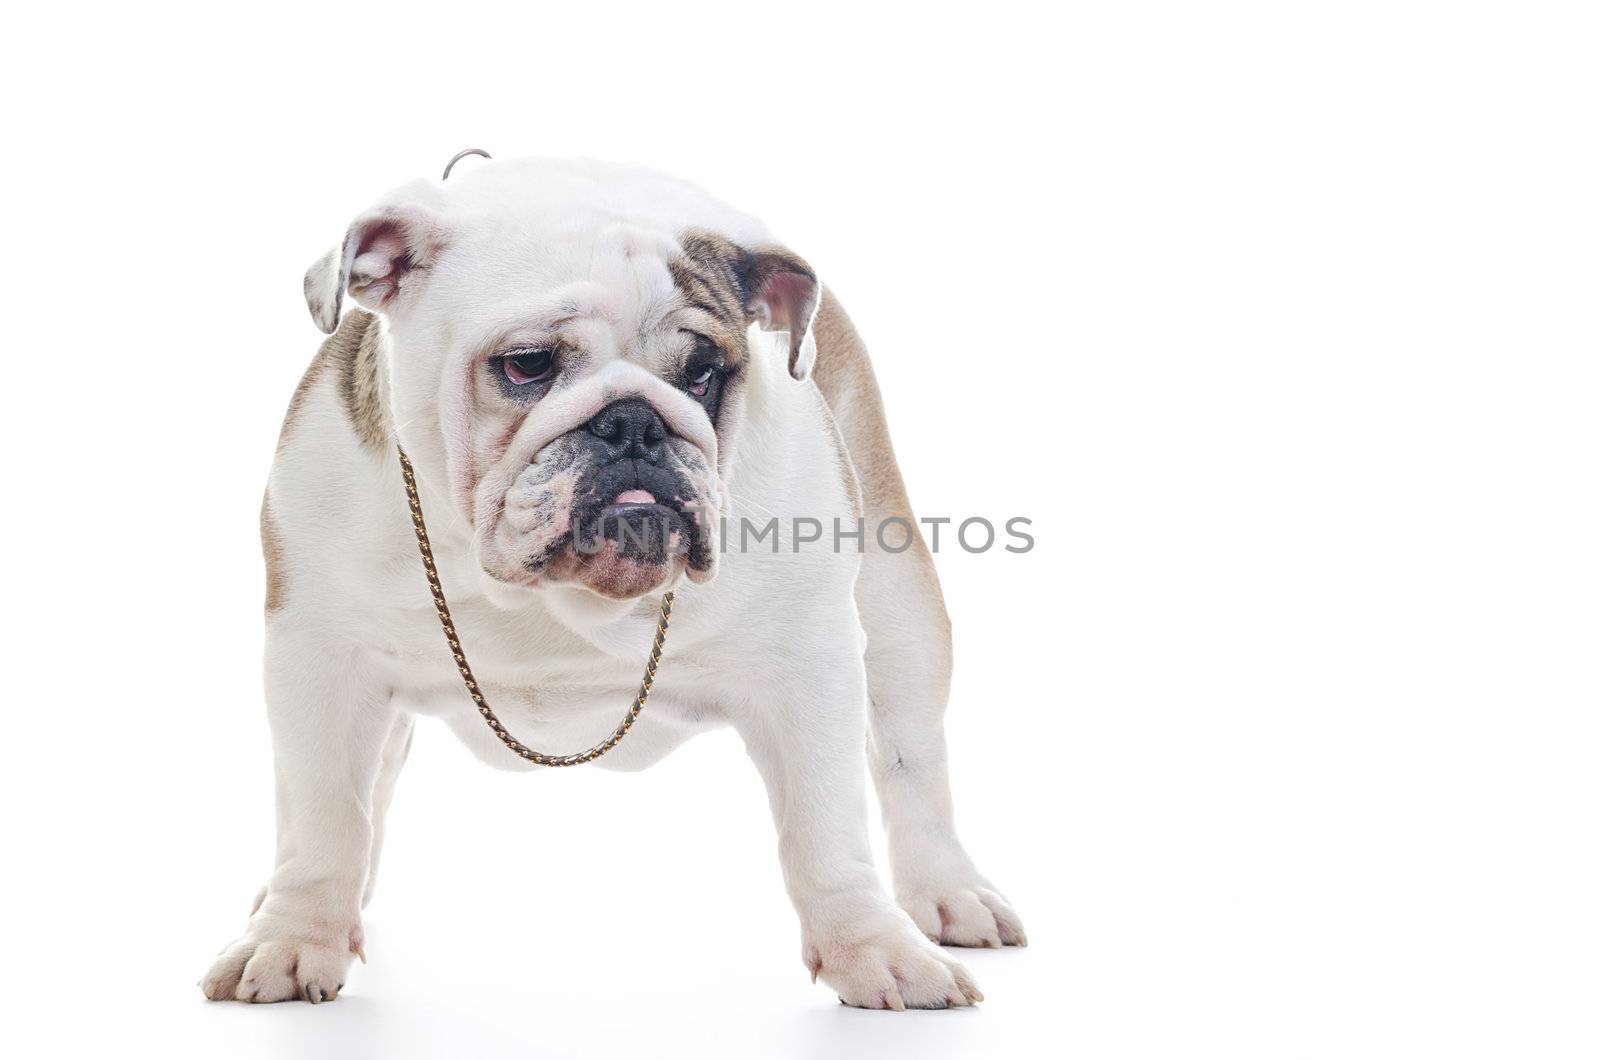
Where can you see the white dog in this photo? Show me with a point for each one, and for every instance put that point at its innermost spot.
(573, 356)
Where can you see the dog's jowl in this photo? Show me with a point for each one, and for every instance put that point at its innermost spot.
(591, 369)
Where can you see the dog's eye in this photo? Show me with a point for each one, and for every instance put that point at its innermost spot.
(527, 366)
(699, 380)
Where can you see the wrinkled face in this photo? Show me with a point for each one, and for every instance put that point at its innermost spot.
(599, 424)
(588, 367)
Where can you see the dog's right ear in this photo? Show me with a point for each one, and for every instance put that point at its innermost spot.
(378, 263)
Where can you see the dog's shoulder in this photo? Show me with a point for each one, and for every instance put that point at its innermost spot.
(347, 368)
(335, 476)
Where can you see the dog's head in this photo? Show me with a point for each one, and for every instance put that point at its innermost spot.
(575, 348)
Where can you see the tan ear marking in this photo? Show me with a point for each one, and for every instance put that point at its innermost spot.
(769, 285)
(706, 277)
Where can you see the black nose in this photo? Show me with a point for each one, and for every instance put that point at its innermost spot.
(630, 428)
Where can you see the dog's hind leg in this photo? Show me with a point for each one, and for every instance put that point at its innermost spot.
(908, 680)
(908, 660)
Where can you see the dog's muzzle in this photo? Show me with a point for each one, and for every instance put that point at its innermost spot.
(636, 494)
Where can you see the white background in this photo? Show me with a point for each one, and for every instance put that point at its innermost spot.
(1278, 320)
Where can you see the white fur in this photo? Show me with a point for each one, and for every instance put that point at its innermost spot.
(355, 651)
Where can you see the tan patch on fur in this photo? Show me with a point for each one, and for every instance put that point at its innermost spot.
(844, 375)
(272, 553)
(361, 387)
(723, 279)
(351, 355)
(706, 274)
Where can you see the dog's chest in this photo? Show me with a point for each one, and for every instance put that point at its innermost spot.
(553, 689)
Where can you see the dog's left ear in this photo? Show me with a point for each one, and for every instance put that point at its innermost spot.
(782, 294)
(378, 263)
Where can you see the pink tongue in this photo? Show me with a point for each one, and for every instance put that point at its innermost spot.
(635, 497)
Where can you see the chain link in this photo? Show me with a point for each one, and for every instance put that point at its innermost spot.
(518, 748)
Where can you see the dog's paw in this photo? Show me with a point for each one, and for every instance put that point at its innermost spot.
(281, 966)
(964, 915)
(892, 969)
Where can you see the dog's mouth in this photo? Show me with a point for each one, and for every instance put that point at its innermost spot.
(642, 528)
(632, 527)
(649, 511)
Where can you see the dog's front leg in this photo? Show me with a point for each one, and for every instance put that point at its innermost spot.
(330, 715)
(806, 734)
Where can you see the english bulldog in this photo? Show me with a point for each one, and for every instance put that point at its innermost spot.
(574, 355)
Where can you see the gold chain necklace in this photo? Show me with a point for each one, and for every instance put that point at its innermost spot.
(449, 627)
